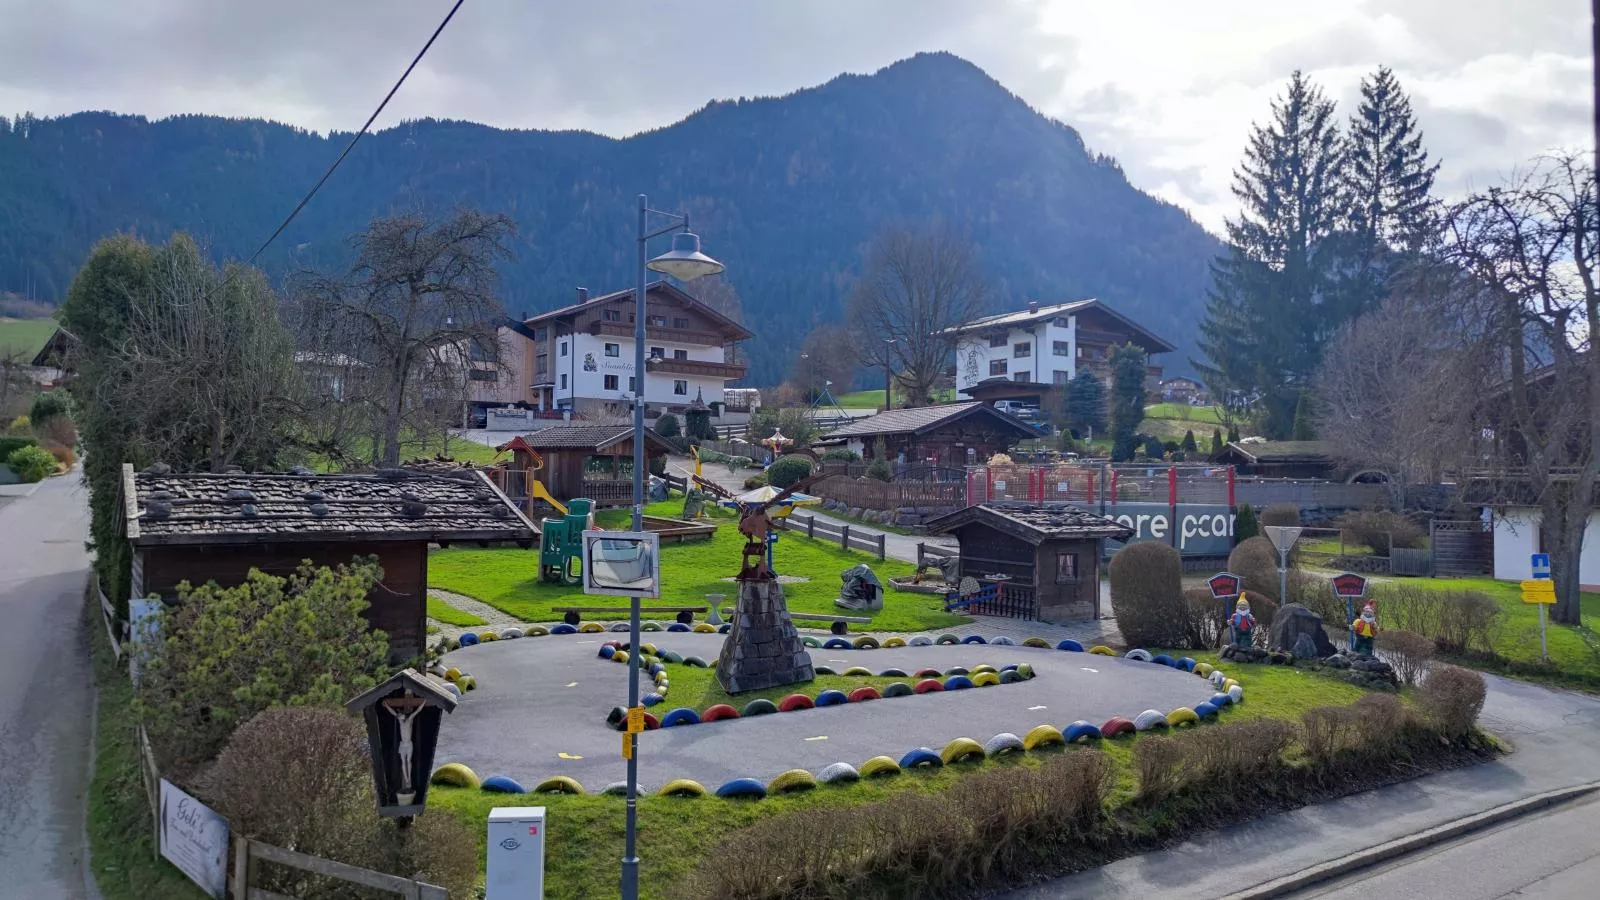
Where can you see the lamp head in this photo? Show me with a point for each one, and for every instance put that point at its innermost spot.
(684, 261)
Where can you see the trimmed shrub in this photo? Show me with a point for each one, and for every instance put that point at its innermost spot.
(1281, 514)
(879, 469)
(32, 463)
(1373, 528)
(58, 430)
(1218, 759)
(840, 454)
(319, 801)
(1456, 620)
(1245, 526)
(1452, 697)
(48, 406)
(63, 455)
(11, 443)
(1147, 595)
(1203, 621)
(1153, 448)
(1256, 561)
(1189, 445)
(1407, 652)
(755, 481)
(667, 425)
(788, 470)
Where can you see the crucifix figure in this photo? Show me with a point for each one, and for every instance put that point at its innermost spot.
(405, 710)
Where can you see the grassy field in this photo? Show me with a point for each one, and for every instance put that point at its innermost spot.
(508, 579)
(461, 450)
(27, 335)
(1197, 415)
(874, 399)
(449, 615)
(1571, 650)
(675, 834)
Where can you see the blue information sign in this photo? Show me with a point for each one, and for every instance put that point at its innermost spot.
(1541, 565)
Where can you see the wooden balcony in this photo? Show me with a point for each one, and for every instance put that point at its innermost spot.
(730, 371)
(656, 333)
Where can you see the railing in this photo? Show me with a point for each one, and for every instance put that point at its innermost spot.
(1015, 601)
(247, 852)
(607, 490)
(848, 539)
(869, 493)
(1162, 483)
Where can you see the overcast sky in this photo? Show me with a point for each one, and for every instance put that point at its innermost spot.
(1169, 88)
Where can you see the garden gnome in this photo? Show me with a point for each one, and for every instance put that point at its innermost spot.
(1364, 629)
(1242, 624)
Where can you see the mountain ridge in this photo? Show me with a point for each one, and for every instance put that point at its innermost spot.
(788, 190)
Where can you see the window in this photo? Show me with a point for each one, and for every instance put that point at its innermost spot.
(1061, 322)
(657, 353)
(658, 321)
(611, 382)
(997, 340)
(541, 364)
(1022, 350)
(540, 334)
(1061, 348)
(485, 375)
(680, 387)
(680, 353)
(680, 322)
(613, 349)
(997, 367)
(563, 346)
(563, 381)
(1062, 376)
(1066, 568)
(633, 385)
(612, 315)
(1019, 376)
(483, 352)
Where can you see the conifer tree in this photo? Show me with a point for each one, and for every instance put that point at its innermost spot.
(1389, 180)
(1085, 406)
(1216, 442)
(1189, 445)
(1128, 365)
(1302, 430)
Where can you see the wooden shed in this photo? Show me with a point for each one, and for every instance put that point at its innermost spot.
(1043, 558)
(594, 461)
(202, 527)
(949, 434)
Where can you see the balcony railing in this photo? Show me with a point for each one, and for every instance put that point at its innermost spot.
(697, 367)
(657, 333)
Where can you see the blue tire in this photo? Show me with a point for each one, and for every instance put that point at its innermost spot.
(1220, 700)
(1070, 645)
(468, 639)
(1081, 730)
(1205, 710)
(921, 756)
(955, 683)
(742, 787)
(832, 698)
(677, 626)
(680, 716)
(974, 639)
(564, 628)
(501, 784)
(1186, 664)
(837, 644)
(1163, 659)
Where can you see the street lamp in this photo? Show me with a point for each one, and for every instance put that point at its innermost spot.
(684, 262)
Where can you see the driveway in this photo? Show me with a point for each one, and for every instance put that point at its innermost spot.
(46, 693)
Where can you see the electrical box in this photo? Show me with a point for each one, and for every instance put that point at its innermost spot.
(516, 853)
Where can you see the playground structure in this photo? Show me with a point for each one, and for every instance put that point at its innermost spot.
(561, 542)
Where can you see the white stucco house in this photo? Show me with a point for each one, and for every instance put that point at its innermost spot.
(1517, 536)
(1049, 344)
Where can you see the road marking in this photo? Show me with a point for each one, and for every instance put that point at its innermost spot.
(838, 660)
(587, 642)
(1037, 708)
(573, 684)
(820, 737)
(568, 756)
(1087, 669)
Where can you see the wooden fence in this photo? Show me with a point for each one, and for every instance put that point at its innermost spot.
(868, 493)
(1461, 548)
(848, 539)
(247, 852)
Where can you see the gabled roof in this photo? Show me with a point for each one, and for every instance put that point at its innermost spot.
(733, 330)
(55, 349)
(1034, 522)
(1153, 342)
(583, 437)
(923, 419)
(163, 507)
(1281, 451)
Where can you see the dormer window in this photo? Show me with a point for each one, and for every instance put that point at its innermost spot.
(997, 340)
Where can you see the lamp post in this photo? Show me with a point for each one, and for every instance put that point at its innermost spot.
(684, 262)
(888, 375)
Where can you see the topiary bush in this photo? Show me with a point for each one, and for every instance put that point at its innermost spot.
(1147, 595)
(1452, 697)
(32, 463)
(1372, 528)
(788, 470)
(47, 406)
(1256, 561)
(667, 425)
(1281, 514)
(1245, 526)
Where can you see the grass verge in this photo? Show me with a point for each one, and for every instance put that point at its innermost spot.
(449, 615)
(508, 579)
(122, 848)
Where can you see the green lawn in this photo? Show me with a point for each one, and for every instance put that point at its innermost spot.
(1198, 415)
(449, 615)
(1518, 637)
(25, 335)
(508, 579)
(461, 450)
(874, 399)
(675, 834)
(698, 688)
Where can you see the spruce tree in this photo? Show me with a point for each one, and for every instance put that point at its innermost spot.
(1389, 180)
(1216, 442)
(1189, 445)
(1302, 430)
(1085, 406)
(1264, 323)
(1233, 435)
(1128, 365)
(1245, 525)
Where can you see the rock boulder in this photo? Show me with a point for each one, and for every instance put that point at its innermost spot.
(1293, 620)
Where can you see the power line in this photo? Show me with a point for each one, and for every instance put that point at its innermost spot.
(359, 134)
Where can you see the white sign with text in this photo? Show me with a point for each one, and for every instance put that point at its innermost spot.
(195, 839)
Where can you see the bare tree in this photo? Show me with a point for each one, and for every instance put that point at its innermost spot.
(418, 292)
(717, 292)
(915, 286)
(827, 355)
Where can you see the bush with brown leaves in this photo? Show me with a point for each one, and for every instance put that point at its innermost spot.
(1407, 652)
(1147, 595)
(1452, 697)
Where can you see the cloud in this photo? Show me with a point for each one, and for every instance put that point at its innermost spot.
(1170, 88)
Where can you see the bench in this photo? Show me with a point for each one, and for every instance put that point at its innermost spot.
(837, 624)
(685, 614)
(985, 594)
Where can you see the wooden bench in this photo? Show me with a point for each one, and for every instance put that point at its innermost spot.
(573, 614)
(985, 594)
(838, 624)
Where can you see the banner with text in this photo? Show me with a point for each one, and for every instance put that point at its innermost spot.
(195, 839)
(1198, 529)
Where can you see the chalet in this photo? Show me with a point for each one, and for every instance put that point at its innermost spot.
(1182, 390)
(1049, 345)
(203, 527)
(1042, 559)
(593, 461)
(580, 358)
(1281, 459)
(949, 434)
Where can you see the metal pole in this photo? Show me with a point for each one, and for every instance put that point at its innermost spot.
(1544, 649)
(630, 853)
(1283, 576)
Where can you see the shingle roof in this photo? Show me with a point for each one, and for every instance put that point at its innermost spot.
(729, 327)
(203, 508)
(585, 437)
(1283, 451)
(1034, 522)
(1157, 344)
(923, 419)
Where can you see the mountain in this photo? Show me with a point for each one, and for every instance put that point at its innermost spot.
(788, 191)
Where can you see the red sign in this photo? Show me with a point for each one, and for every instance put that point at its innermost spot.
(1349, 585)
(1224, 584)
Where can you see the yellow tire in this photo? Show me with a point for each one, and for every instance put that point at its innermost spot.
(985, 679)
(648, 649)
(1228, 684)
(467, 683)
(558, 784)
(983, 668)
(1102, 650)
(535, 631)
(1183, 715)
(591, 628)
(961, 749)
(894, 642)
(455, 775)
(660, 677)
(682, 787)
(487, 636)
(857, 671)
(880, 767)
(1043, 736)
(452, 673)
(703, 628)
(792, 781)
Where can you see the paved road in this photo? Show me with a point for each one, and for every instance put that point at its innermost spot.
(545, 696)
(1556, 735)
(1550, 856)
(46, 694)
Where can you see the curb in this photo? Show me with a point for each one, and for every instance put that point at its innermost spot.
(1371, 856)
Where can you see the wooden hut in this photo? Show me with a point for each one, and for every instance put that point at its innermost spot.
(594, 461)
(1044, 559)
(202, 527)
(949, 434)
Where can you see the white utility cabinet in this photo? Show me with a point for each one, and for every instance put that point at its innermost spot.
(516, 853)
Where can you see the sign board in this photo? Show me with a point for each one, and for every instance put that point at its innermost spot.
(635, 719)
(622, 563)
(1349, 585)
(1282, 536)
(195, 839)
(1196, 529)
(1539, 591)
(1224, 585)
(1541, 565)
